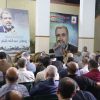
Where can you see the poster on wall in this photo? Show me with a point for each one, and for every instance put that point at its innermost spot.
(14, 30)
(58, 20)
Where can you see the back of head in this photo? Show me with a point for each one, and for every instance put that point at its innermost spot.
(45, 60)
(70, 59)
(13, 95)
(92, 56)
(51, 71)
(72, 68)
(67, 87)
(21, 63)
(93, 64)
(2, 55)
(85, 60)
(70, 55)
(25, 55)
(12, 75)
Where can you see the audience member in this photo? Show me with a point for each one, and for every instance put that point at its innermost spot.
(66, 89)
(85, 69)
(92, 56)
(94, 73)
(49, 86)
(85, 52)
(30, 65)
(45, 60)
(69, 90)
(11, 78)
(23, 74)
(37, 58)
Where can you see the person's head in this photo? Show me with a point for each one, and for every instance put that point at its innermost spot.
(66, 89)
(12, 75)
(85, 48)
(85, 60)
(13, 95)
(72, 67)
(25, 55)
(92, 56)
(6, 18)
(70, 59)
(45, 60)
(61, 33)
(92, 64)
(98, 59)
(51, 71)
(21, 63)
(3, 55)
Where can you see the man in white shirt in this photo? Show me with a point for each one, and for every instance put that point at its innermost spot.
(23, 74)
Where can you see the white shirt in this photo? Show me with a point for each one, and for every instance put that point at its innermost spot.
(84, 70)
(41, 76)
(25, 76)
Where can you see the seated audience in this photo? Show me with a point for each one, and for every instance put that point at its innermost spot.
(41, 75)
(11, 78)
(49, 86)
(83, 82)
(30, 65)
(94, 73)
(23, 74)
(69, 90)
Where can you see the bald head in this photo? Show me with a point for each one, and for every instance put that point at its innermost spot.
(13, 95)
(72, 68)
(12, 74)
(67, 87)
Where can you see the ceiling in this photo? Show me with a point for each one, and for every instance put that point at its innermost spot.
(78, 2)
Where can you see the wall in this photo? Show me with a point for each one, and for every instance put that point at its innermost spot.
(25, 5)
(61, 8)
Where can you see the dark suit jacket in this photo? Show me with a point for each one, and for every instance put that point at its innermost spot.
(45, 87)
(83, 95)
(72, 48)
(4, 30)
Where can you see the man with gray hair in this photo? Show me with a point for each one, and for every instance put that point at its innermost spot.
(49, 86)
(6, 19)
(30, 66)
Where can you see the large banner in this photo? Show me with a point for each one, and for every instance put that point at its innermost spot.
(65, 20)
(14, 30)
